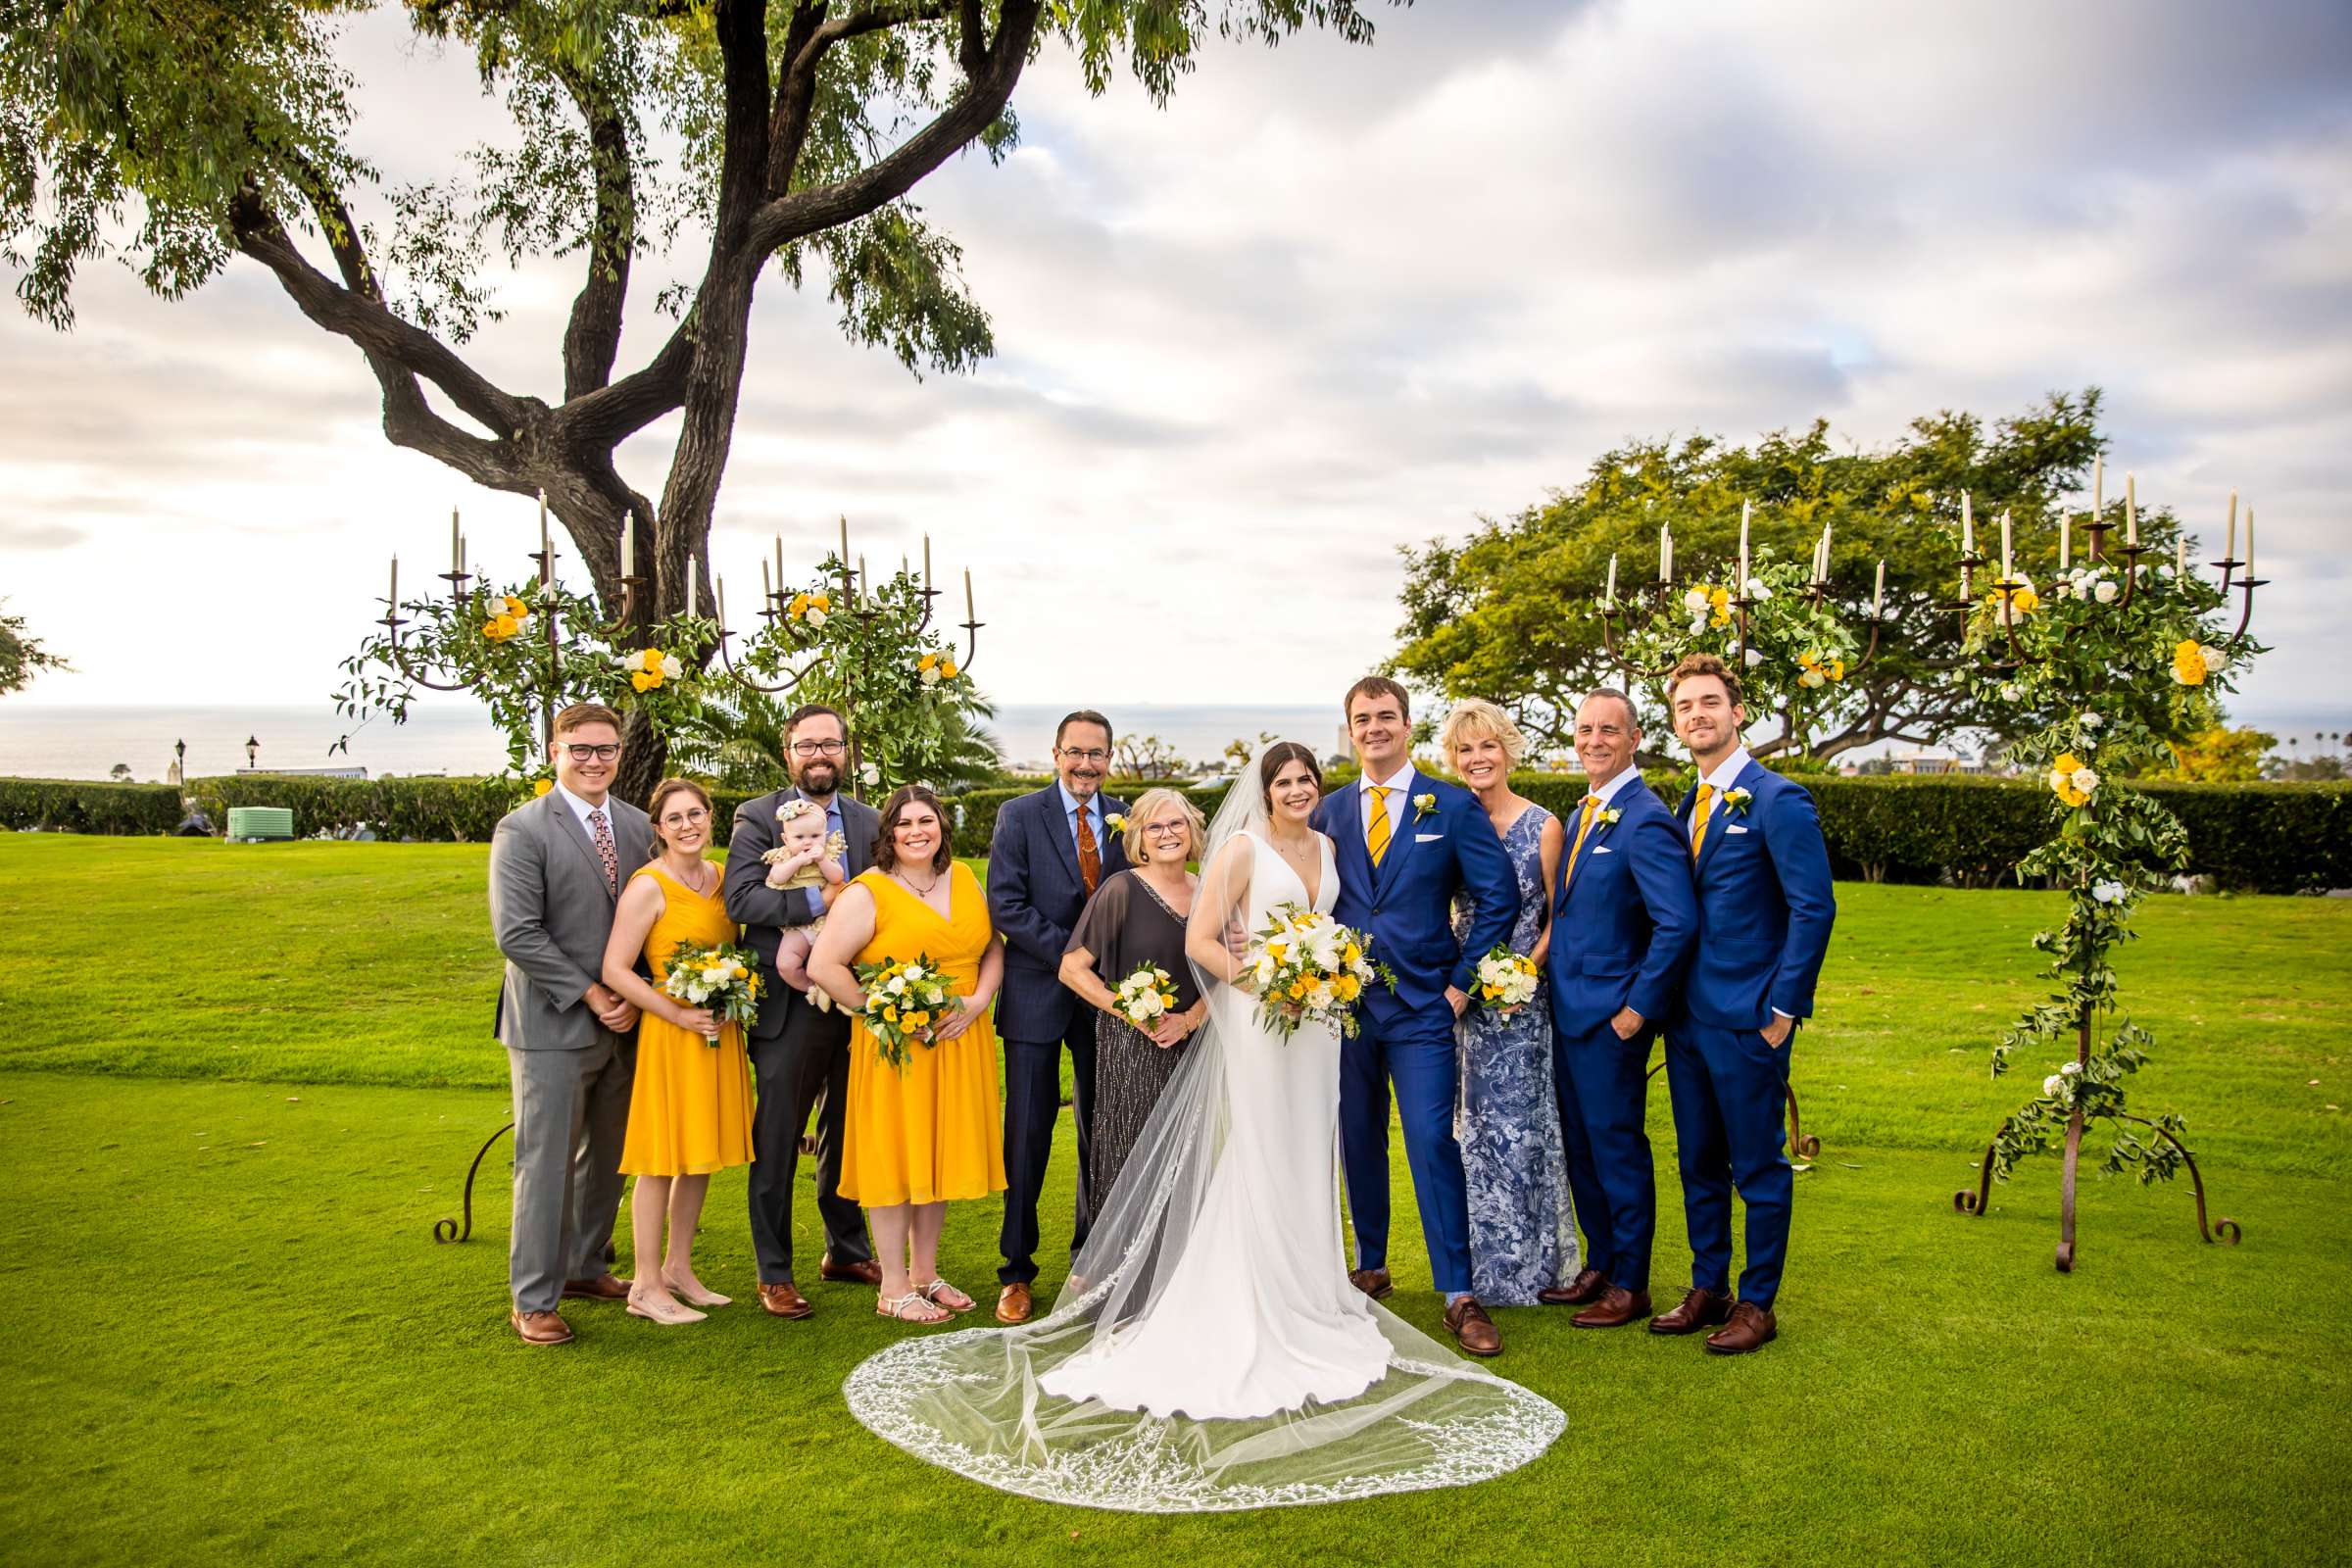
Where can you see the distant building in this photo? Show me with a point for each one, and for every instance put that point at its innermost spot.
(1932, 763)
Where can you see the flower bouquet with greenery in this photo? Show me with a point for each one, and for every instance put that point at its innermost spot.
(718, 976)
(903, 999)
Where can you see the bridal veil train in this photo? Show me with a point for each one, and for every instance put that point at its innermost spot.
(1210, 1352)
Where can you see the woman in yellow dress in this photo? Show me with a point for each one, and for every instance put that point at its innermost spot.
(919, 1134)
(690, 1106)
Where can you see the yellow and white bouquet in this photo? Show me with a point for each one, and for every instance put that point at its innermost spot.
(720, 977)
(1308, 967)
(1145, 996)
(903, 999)
(1507, 980)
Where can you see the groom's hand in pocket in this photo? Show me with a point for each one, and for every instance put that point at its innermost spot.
(1775, 1033)
(1626, 1023)
(1458, 1001)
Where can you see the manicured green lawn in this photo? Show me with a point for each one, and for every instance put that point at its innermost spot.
(238, 1084)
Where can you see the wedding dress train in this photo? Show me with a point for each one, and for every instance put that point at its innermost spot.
(1217, 1357)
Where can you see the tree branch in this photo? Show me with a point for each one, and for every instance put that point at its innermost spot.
(591, 337)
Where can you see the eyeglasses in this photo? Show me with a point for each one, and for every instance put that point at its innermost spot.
(817, 748)
(1167, 830)
(686, 818)
(1091, 753)
(601, 753)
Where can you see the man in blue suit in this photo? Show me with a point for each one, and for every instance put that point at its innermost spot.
(1765, 909)
(1405, 846)
(1624, 921)
(1049, 852)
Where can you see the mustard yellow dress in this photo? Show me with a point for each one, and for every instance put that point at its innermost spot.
(690, 1106)
(934, 1131)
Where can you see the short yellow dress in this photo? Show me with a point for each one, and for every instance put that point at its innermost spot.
(690, 1106)
(935, 1129)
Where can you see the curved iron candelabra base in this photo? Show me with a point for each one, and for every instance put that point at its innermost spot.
(446, 1229)
(2222, 1229)
(1800, 1142)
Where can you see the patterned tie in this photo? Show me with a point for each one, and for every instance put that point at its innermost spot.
(1089, 859)
(1583, 827)
(1698, 819)
(1376, 824)
(604, 850)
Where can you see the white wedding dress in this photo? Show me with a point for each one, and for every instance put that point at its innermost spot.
(1211, 1354)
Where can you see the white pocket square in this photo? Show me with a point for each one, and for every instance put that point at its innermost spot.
(1603, 849)
(1733, 827)
(1427, 838)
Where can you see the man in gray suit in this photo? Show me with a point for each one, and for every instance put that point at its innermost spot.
(800, 1055)
(556, 868)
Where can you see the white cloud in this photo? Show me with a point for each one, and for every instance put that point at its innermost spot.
(1327, 303)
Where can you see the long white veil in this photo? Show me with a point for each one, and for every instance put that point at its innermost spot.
(973, 1402)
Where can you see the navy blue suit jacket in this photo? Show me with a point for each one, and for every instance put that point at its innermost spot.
(1034, 896)
(1765, 905)
(1405, 904)
(1624, 918)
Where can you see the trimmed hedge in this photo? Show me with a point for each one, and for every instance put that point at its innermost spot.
(2266, 838)
(88, 806)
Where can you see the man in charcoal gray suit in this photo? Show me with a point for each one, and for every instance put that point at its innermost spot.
(557, 868)
(800, 1053)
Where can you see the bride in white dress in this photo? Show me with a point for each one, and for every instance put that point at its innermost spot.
(1210, 1352)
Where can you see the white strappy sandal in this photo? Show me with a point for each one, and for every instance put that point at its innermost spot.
(931, 1293)
(897, 1306)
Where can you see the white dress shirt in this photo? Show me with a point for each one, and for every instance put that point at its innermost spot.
(1608, 792)
(580, 808)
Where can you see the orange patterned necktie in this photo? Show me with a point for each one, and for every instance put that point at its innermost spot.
(1592, 806)
(1089, 859)
(1698, 819)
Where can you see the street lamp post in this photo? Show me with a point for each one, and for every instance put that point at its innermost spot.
(253, 753)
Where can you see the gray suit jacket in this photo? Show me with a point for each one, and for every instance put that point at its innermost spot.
(763, 911)
(552, 915)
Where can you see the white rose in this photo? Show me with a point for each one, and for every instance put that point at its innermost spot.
(1699, 626)
(2105, 593)
(672, 669)
(1754, 658)
(816, 616)
(2052, 1085)
(2071, 1068)
(2092, 720)
(2011, 691)
(913, 971)
(1695, 601)
(2215, 660)
(634, 661)
(2085, 780)
(1757, 591)
(871, 773)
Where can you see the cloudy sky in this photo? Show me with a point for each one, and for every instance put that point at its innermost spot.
(1331, 301)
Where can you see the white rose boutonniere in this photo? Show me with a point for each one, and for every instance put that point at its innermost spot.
(1738, 799)
(1606, 816)
(1116, 821)
(1423, 805)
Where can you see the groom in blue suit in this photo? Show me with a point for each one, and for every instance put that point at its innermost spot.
(1405, 846)
(1765, 909)
(1624, 921)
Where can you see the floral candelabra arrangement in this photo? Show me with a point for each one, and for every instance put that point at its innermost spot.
(526, 650)
(867, 648)
(2111, 661)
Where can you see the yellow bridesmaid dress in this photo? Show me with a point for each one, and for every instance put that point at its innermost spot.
(933, 1130)
(690, 1106)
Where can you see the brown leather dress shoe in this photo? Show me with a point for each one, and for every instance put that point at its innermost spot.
(541, 1328)
(1586, 1287)
(1013, 1303)
(1616, 1307)
(1752, 1328)
(868, 1272)
(1472, 1329)
(1373, 1282)
(785, 1301)
(1701, 1309)
(603, 1288)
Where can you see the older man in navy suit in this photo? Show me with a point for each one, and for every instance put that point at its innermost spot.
(1624, 921)
(1048, 855)
(1765, 909)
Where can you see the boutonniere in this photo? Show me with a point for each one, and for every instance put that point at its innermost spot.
(1116, 821)
(1607, 816)
(1423, 805)
(1736, 798)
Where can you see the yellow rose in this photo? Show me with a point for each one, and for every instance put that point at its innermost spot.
(798, 606)
(517, 608)
(2062, 778)
(1297, 989)
(822, 601)
(498, 628)
(1347, 987)
(1349, 953)
(2189, 665)
(889, 1014)
(543, 786)
(926, 661)
(917, 1019)
(643, 679)
(947, 669)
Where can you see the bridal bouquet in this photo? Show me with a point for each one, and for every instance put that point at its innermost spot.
(1308, 967)
(1507, 980)
(1145, 996)
(903, 999)
(722, 978)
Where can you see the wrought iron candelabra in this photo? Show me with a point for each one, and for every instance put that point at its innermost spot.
(2010, 657)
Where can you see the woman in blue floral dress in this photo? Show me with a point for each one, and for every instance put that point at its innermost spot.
(1522, 1226)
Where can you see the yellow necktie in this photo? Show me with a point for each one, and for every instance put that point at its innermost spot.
(1592, 806)
(1376, 824)
(1698, 819)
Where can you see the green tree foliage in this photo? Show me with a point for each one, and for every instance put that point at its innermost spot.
(175, 136)
(2218, 755)
(1508, 614)
(22, 656)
